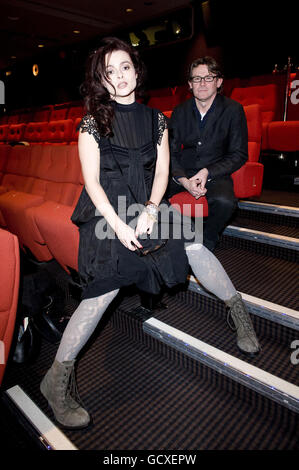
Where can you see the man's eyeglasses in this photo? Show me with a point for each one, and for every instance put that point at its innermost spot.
(207, 78)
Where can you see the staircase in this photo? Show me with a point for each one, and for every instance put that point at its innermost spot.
(173, 377)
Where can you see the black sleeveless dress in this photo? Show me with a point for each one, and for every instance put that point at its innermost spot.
(104, 263)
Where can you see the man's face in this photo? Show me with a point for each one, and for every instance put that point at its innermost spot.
(203, 90)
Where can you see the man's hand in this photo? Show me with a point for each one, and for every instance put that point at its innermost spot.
(193, 187)
(201, 179)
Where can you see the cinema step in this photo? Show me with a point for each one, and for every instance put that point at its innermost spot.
(267, 237)
(273, 312)
(194, 325)
(145, 395)
(269, 385)
(275, 209)
(261, 270)
(272, 224)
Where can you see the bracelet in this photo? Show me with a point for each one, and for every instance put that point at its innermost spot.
(152, 210)
(150, 203)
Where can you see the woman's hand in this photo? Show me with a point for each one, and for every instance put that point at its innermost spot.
(126, 236)
(145, 224)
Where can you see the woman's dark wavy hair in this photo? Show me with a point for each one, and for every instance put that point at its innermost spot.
(96, 97)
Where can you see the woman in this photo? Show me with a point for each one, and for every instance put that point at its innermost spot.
(123, 148)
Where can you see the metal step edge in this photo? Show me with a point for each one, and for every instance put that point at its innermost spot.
(262, 237)
(263, 308)
(48, 434)
(269, 208)
(263, 382)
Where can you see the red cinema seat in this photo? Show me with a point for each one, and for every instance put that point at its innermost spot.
(60, 131)
(4, 133)
(283, 136)
(59, 112)
(75, 112)
(74, 139)
(60, 234)
(248, 180)
(163, 103)
(36, 175)
(267, 97)
(4, 155)
(53, 220)
(24, 189)
(49, 223)
(36, 132)
(189, 206)
(16, 132)
(9, 293)
(182, 93)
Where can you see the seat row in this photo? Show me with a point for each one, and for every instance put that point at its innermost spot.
(40, 185)
(53, 132)
(278, 134)
(56, 112)
(268, 91)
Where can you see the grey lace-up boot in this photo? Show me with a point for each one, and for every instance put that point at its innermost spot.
(56, 387)
(246, 337)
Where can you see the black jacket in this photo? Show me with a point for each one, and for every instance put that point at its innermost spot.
(220, 145)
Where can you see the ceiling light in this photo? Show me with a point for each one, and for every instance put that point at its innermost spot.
(35, 70)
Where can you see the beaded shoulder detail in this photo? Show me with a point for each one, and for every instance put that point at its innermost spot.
(162, 125)
(89, 124)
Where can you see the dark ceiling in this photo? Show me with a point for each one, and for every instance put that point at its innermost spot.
(25, 24)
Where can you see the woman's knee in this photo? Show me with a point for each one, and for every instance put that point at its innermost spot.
(194, 247)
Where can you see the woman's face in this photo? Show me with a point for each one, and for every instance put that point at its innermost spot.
(121, 77)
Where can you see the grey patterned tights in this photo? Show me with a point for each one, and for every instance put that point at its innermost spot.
(86, 317)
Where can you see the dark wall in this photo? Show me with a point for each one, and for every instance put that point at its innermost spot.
(247, 39)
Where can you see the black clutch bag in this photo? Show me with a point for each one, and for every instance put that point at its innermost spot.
(149, 245)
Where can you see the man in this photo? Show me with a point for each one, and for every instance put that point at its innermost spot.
(208, 142)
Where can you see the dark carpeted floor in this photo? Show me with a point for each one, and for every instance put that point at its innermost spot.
(141, 400)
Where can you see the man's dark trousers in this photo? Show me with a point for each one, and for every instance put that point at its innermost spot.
(221, 203)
